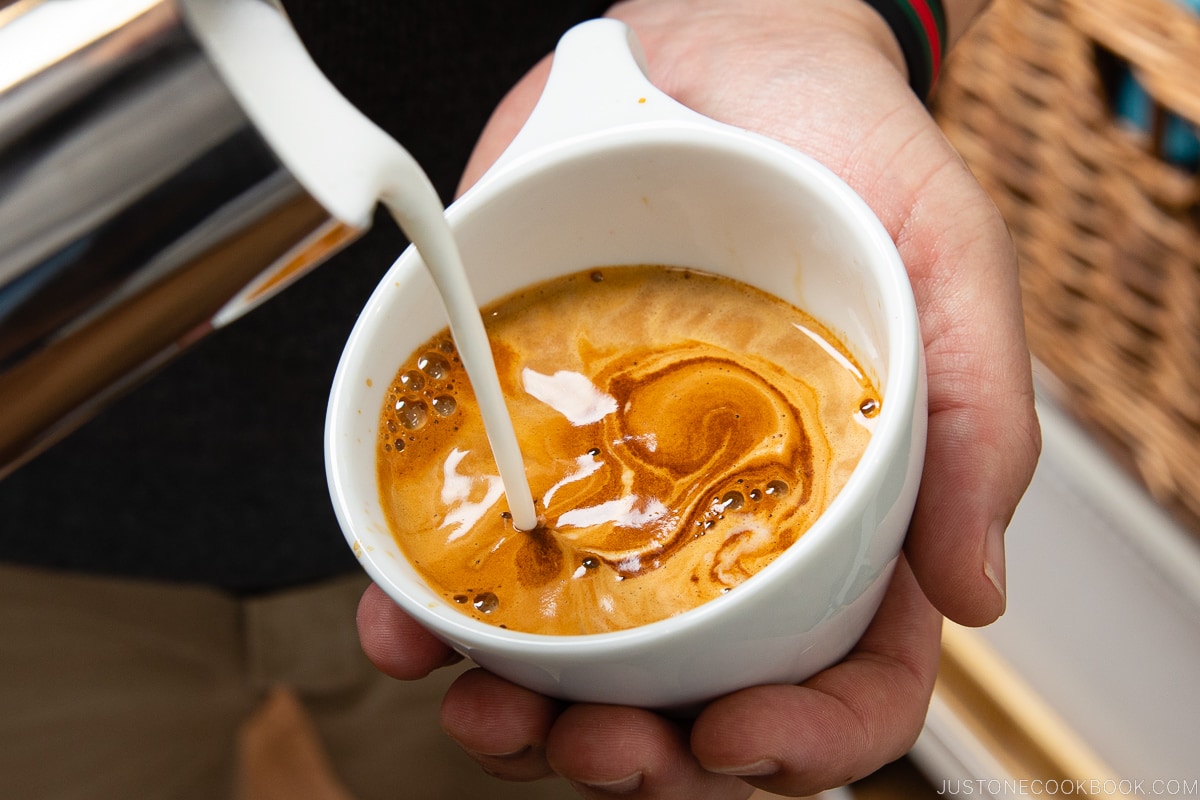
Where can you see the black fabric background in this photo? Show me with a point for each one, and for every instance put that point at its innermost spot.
(212, 471)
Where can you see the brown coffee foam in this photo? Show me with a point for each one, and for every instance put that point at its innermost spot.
(714, 390)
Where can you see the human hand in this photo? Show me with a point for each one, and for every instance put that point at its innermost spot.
(826, 77)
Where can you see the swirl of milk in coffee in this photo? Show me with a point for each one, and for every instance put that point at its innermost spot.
(679, 432)
(693, 437)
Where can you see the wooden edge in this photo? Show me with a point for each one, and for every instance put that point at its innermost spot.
(1012, 721)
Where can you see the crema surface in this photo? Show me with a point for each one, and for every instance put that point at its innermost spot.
(679, 430)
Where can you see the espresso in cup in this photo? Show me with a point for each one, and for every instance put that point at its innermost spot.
(679, 429)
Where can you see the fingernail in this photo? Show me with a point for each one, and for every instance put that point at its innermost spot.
(476, 754)
(626, 785)
(993, 559)
(756, 770)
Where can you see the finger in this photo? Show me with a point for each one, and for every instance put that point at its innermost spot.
(843, 723)
(608, 751)
(983, 440)
(501, 725)
(394, 642)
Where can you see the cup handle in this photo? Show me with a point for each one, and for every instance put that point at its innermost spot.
(597, 83)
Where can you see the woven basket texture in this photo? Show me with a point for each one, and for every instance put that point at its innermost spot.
(1107, 232)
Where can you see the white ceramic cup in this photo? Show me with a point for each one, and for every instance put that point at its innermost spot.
(610, 171)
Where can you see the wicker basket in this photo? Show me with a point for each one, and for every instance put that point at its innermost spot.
(1107, 232)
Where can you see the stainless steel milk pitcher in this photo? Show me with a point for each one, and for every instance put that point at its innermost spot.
(139, 207)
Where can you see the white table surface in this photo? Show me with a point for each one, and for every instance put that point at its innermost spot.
(1103, 620)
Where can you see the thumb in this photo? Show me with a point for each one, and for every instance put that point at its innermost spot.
(984, 439)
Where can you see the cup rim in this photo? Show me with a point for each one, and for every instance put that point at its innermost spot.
(901, 326)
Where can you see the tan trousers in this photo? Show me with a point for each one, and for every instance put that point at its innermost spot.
(136, 691)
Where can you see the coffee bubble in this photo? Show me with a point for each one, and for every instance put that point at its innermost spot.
(411, 381)
(444, 405)
(412, 413)
(776, 488)
(486, 602)
(732, 501)
(434, 365)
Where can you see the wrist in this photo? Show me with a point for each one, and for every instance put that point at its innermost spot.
(918, 29)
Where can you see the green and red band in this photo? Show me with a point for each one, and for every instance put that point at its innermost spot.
(920, 29)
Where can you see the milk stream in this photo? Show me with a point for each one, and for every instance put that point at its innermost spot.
(418, 210)
(348, 164)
